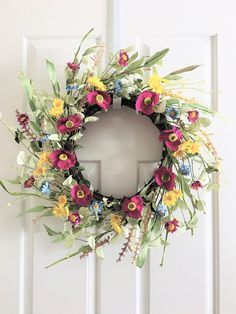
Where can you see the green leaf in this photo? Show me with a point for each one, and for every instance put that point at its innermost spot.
(91, 119)
(51, 71)
(51, 232)
(173, 77)
(197, 106)
(132, 221)
(186, 69)
(18, 193)
(156, 57)
(164, 242)
(69, 241)
(27, 85)
(200, 205)
(89, 51)
(211, 169)
(193, 222)
(99, 252)
(194, 127)
(213, 186)
(204, 122)
(35, 209)
(35, 145)
(133, 57)
(142, 256)
(36, 127)
(91, 242)
(134, 65)
(21, 158)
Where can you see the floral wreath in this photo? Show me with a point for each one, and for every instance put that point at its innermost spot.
(51, 171)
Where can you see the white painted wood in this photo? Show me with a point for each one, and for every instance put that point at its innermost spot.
(199, 274)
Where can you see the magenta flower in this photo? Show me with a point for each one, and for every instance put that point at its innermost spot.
(73, 66)
(165, 177)
(102, 99)
(124, 58)
(146, 101)
(193, 116)
(74, 218)
(69, 124)
(81, 194)
(171, 138)
(172, 225)
(29, 182)
(133, 206)
(23, 119)
(196, 185)
(62, 159)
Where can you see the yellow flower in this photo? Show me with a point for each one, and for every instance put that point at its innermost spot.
(116, 222)
(43, 158)
(170, 198)
(61, 211)
(97, 83)
(191, 147)
(177, 193)
(62, 200)
(180, 152)
(40, 171)
(57, 108)
(155, 82)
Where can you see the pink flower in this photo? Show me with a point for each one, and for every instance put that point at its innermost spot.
(133, 206)
(196, 185)
(69, 124)
(22, 118)
(171, 226)
(74, 218)
(29, 182)
(171, 138)
(62, 159)
(146, 101)
(102, 99)
(165, 177)
(124, 58)
(81, 194)
(193, 116)
(73, 66)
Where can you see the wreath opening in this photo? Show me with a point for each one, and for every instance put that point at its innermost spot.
(129, 114)
(50, 170)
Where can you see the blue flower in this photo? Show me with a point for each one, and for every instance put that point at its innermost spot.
(44, 139)
(96, 207)
(161, 210)
(45, 188)
(72, 87)
(184, 170)
(172, 112)
(118, 86)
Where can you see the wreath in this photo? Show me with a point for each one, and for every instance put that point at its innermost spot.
(49, 169)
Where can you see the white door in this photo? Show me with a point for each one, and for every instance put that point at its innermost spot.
(199, 274)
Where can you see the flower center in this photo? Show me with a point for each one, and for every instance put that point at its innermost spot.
(80, 194)
(147, 101)
(99, 98)
(95, 206)
(72, 218)
(165, 177)
(132, 206)
(124, 57)
(173, 137)
(63, 157)
(69, 124)
(171, 227)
